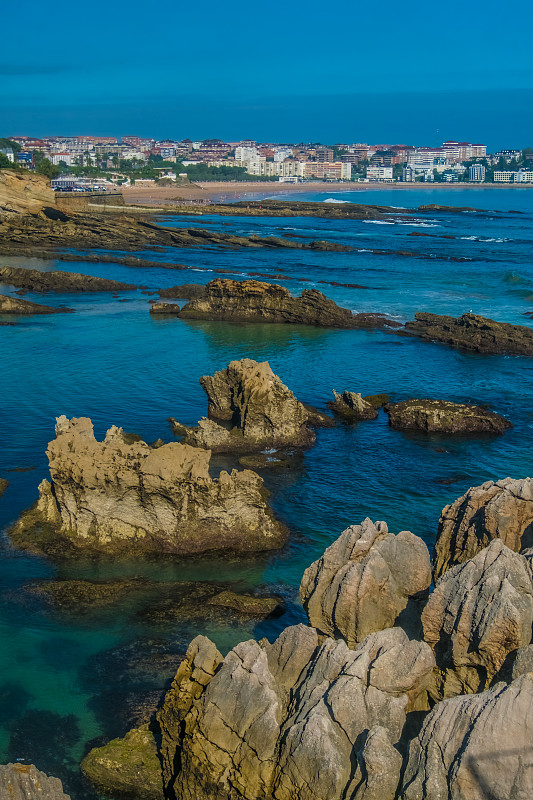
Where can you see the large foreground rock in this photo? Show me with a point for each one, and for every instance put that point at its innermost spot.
(26, 782)
(249, 407)
(293, 719)
(442, 416)
(475, 748)
(495, 510)
(368, 580)
(24, 192)
(14, 305)
(480, 612)
(36, 280)
(114, 496)
(472, 332)
(255, 301)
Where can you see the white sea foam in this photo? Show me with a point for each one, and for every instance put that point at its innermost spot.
(378, 222)
(332, 200)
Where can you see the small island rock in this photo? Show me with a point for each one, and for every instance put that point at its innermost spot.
(352, 406)
(442, 416)
(472, 332)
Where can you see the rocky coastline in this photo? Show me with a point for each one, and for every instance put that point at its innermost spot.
(34, 280)
(14, 305)
(390, 692)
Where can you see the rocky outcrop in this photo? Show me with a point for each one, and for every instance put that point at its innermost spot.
(255, 301)
(129, 766)
(112, 496)
(284, 720)
(368, 580)
(24, 192)
(352, 406)
(495, 510)
(14, 305)
(34, 280)
(472, 332)
(480, 612)
(187, 291)
(475, 747)
(442, 416)
(249, 407)
(171, 309)
(26, 782)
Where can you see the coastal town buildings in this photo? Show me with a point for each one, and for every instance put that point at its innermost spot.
(476, 173)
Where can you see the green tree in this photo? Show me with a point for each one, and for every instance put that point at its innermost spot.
(5, 163)
(45, 167)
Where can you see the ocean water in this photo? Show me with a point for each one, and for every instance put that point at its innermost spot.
(69, 680)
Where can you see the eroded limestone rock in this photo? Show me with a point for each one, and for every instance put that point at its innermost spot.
(365, 582)
(472, 332)
(26, 782)
(249, 407)
(283, 720)
(442, 416)
(352, 406)
(495, 510)
(113, 496)
(480, 612)
(475, 747)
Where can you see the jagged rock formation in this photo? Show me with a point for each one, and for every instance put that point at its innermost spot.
(368, 580)
(187, 291)
(475, 747)
(113, 496)
(249, 408)
(255, 301)
(26, 782)
(495, 510)
(442, 416)
(472, 332)
(283, 720)
(24, 192)
(37, 281)
(352, 406)
(127, 766)
(14, 305)
(480, 612)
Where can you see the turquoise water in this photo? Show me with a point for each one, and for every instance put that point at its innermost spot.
(72, 679)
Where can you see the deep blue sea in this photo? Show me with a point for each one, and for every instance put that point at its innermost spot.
(65, 679)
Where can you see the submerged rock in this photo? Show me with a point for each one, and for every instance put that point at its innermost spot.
(187, 291)
(442, 416)
(250, 408)
(3, 485)
(475, 747)
(480, 612)
(284, 720)
(36, 280)
(352, 406)
(254, 301)
(128, 766)
(368, 580)
(14, 305)
(472, 332)
(115, 497)
(495, 510)
(26, 782)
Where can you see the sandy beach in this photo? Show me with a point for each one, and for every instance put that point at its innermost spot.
(154, 195)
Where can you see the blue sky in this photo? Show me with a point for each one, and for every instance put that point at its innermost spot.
(417, 73)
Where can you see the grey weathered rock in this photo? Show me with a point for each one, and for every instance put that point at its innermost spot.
(283, 720)
(36, 280)
(495, 510)
(475, 748)
(367, 580)
(115, 496)
(442, 416)
(26, 782)
(352, 406)
(249, 407)
(479, 613)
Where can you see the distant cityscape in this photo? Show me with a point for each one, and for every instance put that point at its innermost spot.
(134, 159)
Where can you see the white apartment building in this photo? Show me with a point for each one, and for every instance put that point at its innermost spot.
(67, 158)
(379, 174)
(476, 173)
(504, 176)
(328, 170)
(524, 176)
(246, 153)
(280, 154)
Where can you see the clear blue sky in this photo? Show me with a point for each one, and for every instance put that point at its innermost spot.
(415, 73)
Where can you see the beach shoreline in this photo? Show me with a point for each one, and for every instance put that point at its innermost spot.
(230, 192)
